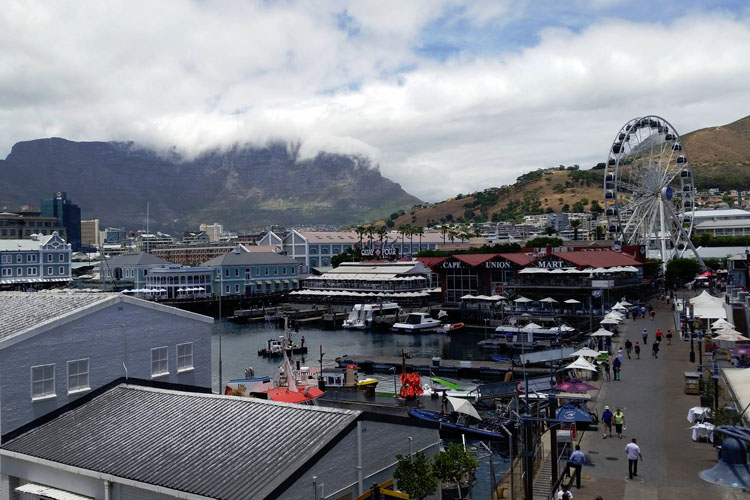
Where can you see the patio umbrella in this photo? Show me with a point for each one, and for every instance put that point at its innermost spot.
(619, 306)
(575, 388)
(549, 300)
(571, 414)
(572, 301)
(625, 302)
(468, 297)
(497, 297)
(601, 332)
(721, 324)
(741, 351)
(730, 336)
(522, 300)
(463, 406)
(586, 353)
(609, 321)
(581, 364)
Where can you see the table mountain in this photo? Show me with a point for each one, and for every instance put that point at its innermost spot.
(241, 187)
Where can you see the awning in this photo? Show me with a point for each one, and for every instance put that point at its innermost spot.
(286, 281)
(48, 492)
(269, 282)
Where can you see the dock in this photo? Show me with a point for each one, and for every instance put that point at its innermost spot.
(477, 369)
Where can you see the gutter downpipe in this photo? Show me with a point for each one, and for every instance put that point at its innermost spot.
(107, 490)
(360, 479)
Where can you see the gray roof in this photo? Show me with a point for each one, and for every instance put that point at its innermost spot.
(215, 446)
(244, 258)
(136, 259)
(24, 311)
(24, 245)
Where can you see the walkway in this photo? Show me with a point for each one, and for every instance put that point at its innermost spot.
(651, 397)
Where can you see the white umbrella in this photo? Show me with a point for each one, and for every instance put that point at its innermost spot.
(619, 306)
(625, 302)
(180, 289)
(609, 321)
(530, 326)
(601, 332)
(468, 296)
(721, 324)
(581, 364)
(463, 406)
(572, 301)
(549, 300)
(522, 300)
(586, 353)
(483, 297)
(730, 336)
(497, 297)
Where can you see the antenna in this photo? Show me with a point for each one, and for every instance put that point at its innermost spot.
(147, 231)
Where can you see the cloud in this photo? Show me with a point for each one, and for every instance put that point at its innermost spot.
(350, 77)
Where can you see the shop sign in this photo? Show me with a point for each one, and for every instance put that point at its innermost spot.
(387, 252)
(550, 264)
(497, 264)
(452, 265)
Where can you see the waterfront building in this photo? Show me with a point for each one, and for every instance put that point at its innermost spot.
(59, 346)
(17, 226)
(136, 442)
(130, 269)
(241, 272)
(145, 242)
(195, 254)
(90, 235)
(36, 261)
(195, 237)
(67, 214)
(737, 270)
(175, 281)
(721, 222)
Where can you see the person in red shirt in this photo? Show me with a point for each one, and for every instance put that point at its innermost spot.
(658, 335)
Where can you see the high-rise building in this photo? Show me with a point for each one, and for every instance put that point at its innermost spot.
(68, 215)
(90, 234)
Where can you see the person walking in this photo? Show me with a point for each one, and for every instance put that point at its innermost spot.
(619, 419)
(659, 333)
(607, 419)
(669, 337)
(576, 460)
(655, 350)
(637, 348)
(628, 347)
(616, 366)
(564, 493)
(645, 336)
(634, 453)
(619, 354)
(653, 314)
(605, 368)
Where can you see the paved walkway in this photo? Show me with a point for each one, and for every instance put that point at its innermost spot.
(655, 406)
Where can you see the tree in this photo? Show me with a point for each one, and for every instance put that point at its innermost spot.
(549, 230)
(382, 232)
(543, 241)
(360, 230)
(595, 209)
(680, 271)
(454, 465)
(419, 231)
(575, 224)
(414, 476)
(370, 231)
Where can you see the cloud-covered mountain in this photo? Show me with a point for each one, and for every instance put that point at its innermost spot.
(241, 187)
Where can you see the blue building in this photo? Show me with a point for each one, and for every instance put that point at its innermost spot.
(35, 261)
(68, 215)
(129, 269)
(56, 347)
(241, 272)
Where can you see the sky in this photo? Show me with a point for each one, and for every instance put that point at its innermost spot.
(445, 96)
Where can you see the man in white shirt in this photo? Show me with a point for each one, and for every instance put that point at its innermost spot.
(634, 453)
(564, 494)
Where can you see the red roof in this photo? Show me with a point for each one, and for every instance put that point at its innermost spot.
(517, 258)
(431, 261)
(474, 259)
(601, 258)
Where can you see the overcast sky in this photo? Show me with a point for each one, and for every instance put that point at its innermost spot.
(447, 96)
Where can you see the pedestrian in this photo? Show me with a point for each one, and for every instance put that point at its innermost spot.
(637, 350)
(576, 460)
(655, 350)
(605, 368)
(607, 419)
(669, 337)
(652, 313)
(444, 404)
(645, 336)
(628, 347)
(564, 493)
(634, 313)
(619, 418)
(643, 312)
(659, 333)
(619, 354)
(634, 453)
(616, 365)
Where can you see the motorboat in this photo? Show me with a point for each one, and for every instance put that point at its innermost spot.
(450, 327)
(348, 378)
(363, 316)
(438, 386)
(275, 348)
(417, 323)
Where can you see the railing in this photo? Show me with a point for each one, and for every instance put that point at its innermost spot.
(562, 465)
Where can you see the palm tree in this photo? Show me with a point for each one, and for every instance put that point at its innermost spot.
(360, 230)
(419, 230)
(412, 232)
(452, 233)
(402, 230)
(381, 232)
(575, 224)
(444, 230)
(370, 231)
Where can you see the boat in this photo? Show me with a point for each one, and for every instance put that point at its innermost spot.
(363, 316)
(439, 386)
(464, 419)
(417, 323)
(274, 348)
(348, 378)
(450, 328)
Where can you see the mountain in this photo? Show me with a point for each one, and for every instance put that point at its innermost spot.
(242, 187)
(720, 157)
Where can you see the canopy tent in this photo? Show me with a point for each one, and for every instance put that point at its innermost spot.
(738, 380)
(571, 414)
(581, 364)
(463, 406)
(586, 353)
(601, 332)
(572, 301)
(703, 297)
(708, 307)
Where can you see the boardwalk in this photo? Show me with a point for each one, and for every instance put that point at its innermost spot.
(655, 406)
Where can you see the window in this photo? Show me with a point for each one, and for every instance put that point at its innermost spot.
(226, 272)
(61, 257)
(61, 270)
(19, 271)
(236, 288)
(159, 362)
(7, 272)
(266, 270)
(31, 271)
(50, 270)
(49, 257)
(226, 289)
(275, 271)
(42, 381)
(78, 375)
(184, 357)
(283, 270)
(31, 258)
(7, 259)
(19, 259)
(236, 271)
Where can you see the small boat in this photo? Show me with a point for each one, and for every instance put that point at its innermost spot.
(417, 323)
(363, 316)
(439, 386)
(274, 348)
(450, 328)
(335, 379)
(460, 425)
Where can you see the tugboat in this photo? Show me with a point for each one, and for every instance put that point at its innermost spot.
(417, 323)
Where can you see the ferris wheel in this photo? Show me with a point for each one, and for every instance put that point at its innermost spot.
(649, 195)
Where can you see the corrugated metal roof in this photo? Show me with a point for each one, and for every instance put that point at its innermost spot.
(136, 259)
(24, 245)
(244, 258)
(23, 311)
(217, 446)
